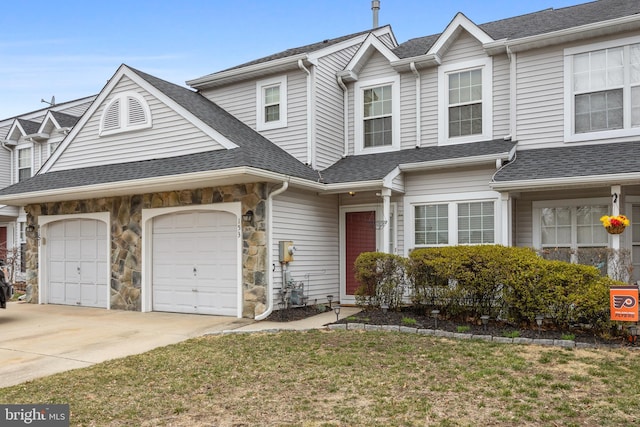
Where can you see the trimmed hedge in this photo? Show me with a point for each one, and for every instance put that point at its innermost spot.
(510, 283)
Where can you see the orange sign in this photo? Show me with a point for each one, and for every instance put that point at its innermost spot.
(623, 301)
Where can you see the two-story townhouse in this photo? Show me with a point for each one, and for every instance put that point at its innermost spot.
(27, 141)
(518, 132)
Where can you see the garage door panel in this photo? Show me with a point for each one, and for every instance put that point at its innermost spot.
(190, 251)
(77, 260)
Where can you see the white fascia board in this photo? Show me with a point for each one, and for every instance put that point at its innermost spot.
(122, 71)
(455, 162)
(422, 61)
(565, 182)
(251, 71)
(345, 187)
(48, 118)
(157, 184)
(104, 93)
(458, 22)
(370, 44)
(625, 23)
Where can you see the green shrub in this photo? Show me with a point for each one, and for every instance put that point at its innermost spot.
(510, 283)
(382, 279)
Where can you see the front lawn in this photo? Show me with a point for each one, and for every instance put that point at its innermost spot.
(348, 378)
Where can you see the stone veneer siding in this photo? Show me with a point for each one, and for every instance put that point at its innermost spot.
(126, 234)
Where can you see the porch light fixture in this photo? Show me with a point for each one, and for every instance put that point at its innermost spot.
(485, 320)
(31, 231)
(336, 310)
(248, 216)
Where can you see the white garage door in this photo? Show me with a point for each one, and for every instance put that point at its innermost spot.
(195, 263)
(77, 259)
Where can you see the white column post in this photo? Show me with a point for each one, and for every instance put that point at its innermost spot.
(506, 219)
(386, 216)
(616, 191)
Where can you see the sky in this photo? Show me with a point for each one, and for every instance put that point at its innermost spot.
(70, 48)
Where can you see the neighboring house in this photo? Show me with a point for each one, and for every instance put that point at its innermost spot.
(27, 141)
(520, 132)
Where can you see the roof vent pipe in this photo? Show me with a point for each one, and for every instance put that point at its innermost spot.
(375, 7)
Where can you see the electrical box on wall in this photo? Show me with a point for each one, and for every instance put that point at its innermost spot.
(286, 250)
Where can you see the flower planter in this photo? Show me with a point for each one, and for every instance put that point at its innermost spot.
(615, 229)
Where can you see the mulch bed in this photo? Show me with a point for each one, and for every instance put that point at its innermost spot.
(470, 326)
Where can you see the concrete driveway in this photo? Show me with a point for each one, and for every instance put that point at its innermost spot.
(40, 340)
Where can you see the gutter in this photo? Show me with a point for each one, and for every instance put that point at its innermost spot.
(416, 73)
(310, 133)
(267, 312)
(345, 110)
(155, 184)
(447, 163)
(564, 182)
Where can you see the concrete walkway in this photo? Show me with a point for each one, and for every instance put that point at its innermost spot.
(40, 340)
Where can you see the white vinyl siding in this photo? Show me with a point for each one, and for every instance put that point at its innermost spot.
(170, 135)
(539, 97)
(329, 108)
(311, 222)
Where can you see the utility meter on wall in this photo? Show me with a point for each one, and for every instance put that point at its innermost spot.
(286, 250)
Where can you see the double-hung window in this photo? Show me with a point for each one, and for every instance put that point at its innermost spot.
(602, 85)
(465, 102)
(454, 223)
(377, 115)
(24, 163)
(271, 104)
(567, 227)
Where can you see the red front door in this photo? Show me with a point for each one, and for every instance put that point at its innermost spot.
(360, 237)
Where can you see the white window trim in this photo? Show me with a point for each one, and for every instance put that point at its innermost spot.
(569, 105)
(124, 114)
(17, 163)
(453, 201)
(536, 212)
(359, 89)
(486, 65)
(261, 124)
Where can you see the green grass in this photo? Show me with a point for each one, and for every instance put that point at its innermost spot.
(347, 378)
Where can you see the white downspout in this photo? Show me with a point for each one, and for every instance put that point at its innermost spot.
(310, 144)
(345, 118)
(416, 73)
(277, 192)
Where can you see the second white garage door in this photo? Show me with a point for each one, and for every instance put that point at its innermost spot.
(195, 263)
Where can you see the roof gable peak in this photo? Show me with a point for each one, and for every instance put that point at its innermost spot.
(459, 23)
(369, 46)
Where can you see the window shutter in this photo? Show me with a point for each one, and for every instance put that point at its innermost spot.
(112, 116)
(136, 112)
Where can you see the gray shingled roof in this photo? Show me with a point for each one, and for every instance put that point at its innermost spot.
(310, 48)
(572, 161)
(377, 166)
(65, 120)
(28, 126)
(536, 23)
(253, 150)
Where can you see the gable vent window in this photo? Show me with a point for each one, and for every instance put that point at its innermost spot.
(124, 113)
(112, 116)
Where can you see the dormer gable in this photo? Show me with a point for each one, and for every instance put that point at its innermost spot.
(56, 122)
(23, 129)
(459, 23)
(370, 45)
